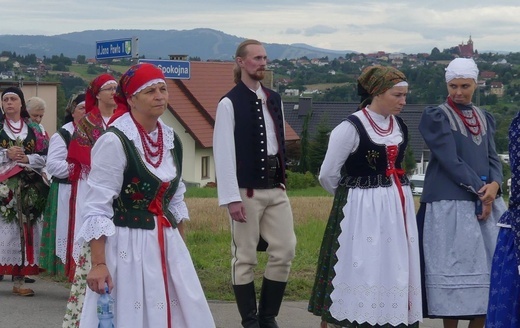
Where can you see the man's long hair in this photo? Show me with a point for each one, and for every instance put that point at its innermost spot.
(242, 52)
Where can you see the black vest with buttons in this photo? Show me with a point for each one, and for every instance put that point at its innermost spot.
(366, 167)
(251, 138)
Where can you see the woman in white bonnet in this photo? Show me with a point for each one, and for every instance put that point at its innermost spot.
(461, 202)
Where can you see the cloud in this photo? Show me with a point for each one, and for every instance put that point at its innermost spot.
(319, 29)
(293, 31)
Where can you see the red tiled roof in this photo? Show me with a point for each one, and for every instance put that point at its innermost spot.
(194, 101)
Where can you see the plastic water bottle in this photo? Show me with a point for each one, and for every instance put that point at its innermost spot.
(105, 310)
(478, 204)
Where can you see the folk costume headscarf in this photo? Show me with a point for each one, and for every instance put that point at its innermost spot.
(462, 68)
(376, 80)
(17, 91)
(71, 107)
(94, 88)
(42, 141)
(137, 78)
(88, 130)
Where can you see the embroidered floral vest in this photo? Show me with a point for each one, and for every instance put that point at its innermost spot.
(35, 143)
(140, 188)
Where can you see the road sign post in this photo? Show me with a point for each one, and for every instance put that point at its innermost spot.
(120, 48)
(172, 69)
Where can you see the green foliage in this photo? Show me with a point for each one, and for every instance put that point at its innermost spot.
(81, 59)
(94, 70)
(62, 104)
(297, 180)
(436, 54)
(303, 165)
(197, 192)
(72, 85)
(316, 191)
(318, 147)
(409, 163)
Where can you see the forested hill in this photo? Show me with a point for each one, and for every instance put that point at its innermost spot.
(201, 42)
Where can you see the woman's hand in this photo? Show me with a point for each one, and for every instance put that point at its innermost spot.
(98, 276)
(16, 153)
(489, 192)
(486, 211)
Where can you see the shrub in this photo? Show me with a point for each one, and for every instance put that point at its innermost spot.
(300, 181)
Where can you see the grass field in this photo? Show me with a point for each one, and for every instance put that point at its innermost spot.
(208, 238)
(80, 70)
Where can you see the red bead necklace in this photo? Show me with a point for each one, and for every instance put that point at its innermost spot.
(148, 144)
(379, 130)
(13, 129)
(473, 128)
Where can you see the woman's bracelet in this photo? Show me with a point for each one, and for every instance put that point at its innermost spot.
(101, 263)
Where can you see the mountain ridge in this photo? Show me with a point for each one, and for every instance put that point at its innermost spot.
(205, 43)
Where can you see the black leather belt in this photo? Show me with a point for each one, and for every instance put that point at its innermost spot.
(62, 181)
(274, 172)
(273, 165)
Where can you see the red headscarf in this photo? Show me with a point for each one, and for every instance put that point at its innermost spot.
(93, 89)
(134, 80)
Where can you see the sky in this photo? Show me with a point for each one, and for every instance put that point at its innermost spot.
(409, 26)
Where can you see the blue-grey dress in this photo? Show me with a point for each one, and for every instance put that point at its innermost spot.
(457, 247)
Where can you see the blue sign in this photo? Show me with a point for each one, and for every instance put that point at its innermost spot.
(172, 69)
(111, 49)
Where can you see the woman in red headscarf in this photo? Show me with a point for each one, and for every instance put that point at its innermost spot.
(133, 209)
(99, 106)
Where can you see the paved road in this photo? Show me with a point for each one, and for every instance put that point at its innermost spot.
(46, 309)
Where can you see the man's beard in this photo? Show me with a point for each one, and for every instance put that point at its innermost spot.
(258, 75)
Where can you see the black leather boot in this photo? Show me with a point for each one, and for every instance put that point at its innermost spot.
(245, 297)
(270, 302)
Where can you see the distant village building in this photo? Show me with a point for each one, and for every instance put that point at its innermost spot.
(291, 92)
(466, 50)
(396, 55)
(487, 75)
(497, 88)
(500, 62)
(7, 75)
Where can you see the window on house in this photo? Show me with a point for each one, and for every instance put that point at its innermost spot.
(205, 167)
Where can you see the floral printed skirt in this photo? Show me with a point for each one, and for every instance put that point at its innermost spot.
(320, 297)
(78, 290)
(504, 292)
